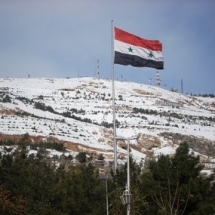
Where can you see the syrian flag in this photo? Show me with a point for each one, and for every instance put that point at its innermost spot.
(135, 51)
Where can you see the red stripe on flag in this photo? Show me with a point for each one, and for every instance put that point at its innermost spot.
(132, 39)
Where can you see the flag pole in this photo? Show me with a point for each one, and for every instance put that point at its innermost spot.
(113, 99)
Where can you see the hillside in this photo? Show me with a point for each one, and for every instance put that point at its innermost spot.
(78, 112)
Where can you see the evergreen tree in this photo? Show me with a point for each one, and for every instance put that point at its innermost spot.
(173, 185)
(30, 178)
(170, 185)
(10, 204)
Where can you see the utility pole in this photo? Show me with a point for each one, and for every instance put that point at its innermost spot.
(106, 185)
(182, 86)
(126, 196)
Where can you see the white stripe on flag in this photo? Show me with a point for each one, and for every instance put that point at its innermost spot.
(138, 51)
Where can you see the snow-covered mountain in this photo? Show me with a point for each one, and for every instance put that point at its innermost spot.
(78, 111)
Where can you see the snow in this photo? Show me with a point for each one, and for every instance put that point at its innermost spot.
(167, 150)
(94, 97)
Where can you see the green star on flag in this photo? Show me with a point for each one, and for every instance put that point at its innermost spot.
(130, 49)
(150, 54)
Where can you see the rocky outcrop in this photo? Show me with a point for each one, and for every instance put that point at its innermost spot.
(200, 145)
(148, 142)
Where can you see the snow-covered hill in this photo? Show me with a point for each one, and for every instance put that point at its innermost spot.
(78, 112)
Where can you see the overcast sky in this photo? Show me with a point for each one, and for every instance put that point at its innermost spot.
(65, 38)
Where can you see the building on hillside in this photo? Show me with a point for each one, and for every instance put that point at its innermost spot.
(168, 103)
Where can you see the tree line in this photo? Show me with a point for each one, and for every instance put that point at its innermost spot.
(166, 186)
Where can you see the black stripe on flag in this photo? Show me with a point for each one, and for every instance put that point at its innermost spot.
(133, 60)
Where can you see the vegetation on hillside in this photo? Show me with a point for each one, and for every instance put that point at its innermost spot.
(170, 185)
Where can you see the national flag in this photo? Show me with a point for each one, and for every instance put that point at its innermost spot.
(135, 51)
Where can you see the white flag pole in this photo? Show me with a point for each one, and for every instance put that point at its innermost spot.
(113, 99)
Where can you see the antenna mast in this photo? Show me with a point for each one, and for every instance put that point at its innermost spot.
(182, 86)
(158, 80)
(98, 70)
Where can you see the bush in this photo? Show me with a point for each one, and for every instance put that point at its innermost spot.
(81, 157)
